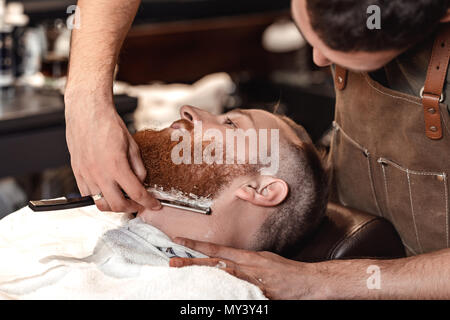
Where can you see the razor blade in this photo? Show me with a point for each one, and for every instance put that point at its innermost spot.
(71, 203)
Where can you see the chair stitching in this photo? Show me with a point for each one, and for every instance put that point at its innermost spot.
(354, 231)
(349, 234)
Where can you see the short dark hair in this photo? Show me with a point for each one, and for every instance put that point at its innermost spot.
(303, 169)
(342, 24)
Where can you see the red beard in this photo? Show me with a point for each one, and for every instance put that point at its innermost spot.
(204, 180)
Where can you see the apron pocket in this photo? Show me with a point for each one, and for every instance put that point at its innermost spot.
(417, 205)
(353, 173)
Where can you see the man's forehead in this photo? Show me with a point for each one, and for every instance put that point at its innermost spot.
(261, 119)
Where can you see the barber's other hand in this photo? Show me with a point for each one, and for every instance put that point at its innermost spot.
(104, 156)
(277, 277)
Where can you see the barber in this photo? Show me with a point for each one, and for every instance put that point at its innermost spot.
(104, 157)
(390, 152)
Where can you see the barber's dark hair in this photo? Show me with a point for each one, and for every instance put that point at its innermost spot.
(342, 24)
(303, 169)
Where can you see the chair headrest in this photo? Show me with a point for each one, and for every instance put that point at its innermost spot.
(347, 233)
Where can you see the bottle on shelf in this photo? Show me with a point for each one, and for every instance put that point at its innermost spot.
(18, 20)
(6, 51)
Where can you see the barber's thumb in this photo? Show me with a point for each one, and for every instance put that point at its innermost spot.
(138, 166)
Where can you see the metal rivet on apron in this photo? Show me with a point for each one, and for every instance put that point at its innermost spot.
(431, 110)
(440, 177)
(433, 129)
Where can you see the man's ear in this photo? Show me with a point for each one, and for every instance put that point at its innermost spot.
(265, 191)
(446, 18)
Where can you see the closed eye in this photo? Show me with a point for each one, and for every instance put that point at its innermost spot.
(229, 122)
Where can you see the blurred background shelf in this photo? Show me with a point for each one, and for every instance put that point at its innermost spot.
(32, 130)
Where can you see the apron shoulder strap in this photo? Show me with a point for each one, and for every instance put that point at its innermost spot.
(432, 92)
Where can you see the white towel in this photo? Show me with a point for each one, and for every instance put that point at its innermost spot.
(159, 104)
(86, 254)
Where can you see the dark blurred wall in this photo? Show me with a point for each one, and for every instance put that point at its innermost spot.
(163, 10)
(186, 51)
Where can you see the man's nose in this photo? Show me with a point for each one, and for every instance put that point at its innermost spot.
(319, 59)
(190, 113)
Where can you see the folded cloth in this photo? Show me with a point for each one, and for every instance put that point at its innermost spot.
(159, 104)
(122, 252)
(86, 254)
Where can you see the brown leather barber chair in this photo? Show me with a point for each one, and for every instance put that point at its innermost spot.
(347, 233)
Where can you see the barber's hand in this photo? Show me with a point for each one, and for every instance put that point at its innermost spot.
(104, 156)
(277, 277)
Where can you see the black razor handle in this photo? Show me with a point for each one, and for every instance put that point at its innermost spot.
(60, 204)
(63, 204)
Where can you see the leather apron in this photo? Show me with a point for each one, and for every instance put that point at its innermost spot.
(390, 152)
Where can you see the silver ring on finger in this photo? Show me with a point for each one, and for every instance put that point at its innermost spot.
(221, 265)
(97, 196)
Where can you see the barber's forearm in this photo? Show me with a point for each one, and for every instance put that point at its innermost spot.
(96, 44)
(425, 276)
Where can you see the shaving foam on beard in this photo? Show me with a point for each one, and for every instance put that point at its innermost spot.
(180, 196)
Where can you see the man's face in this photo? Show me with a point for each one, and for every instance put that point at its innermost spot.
(231, 223)
(202, 178)
(324, 56)
(166, 174)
